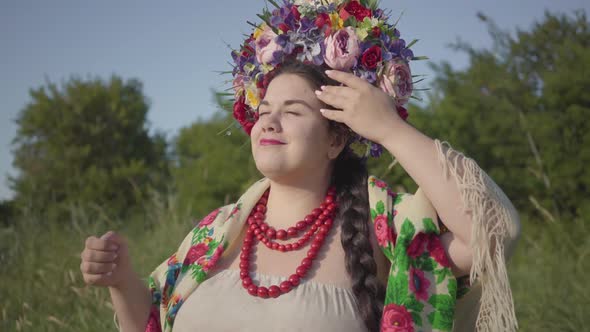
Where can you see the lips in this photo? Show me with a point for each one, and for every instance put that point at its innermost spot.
(266, 141)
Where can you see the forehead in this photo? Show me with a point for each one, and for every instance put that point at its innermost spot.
(288, 86)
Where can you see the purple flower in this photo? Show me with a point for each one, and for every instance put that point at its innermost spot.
(397, 46)
(407, 54)
(376, 150)
(306, 25)
(368, 75)
(284, 40)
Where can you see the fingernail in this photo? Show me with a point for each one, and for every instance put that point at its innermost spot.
(113, 247)
(318, 92)
(322, 110)
(323, 87)
(116, 255)
(328, 72)
(113, 267)
(109, 273)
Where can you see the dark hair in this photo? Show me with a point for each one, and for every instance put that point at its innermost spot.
(350, 178)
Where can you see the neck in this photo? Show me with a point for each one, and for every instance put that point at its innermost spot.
(291, 200)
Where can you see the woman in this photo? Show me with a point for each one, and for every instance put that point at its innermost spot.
(395, 267)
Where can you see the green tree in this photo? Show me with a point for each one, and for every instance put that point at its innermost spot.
(214, 163)
(86, 143)
(521, 110)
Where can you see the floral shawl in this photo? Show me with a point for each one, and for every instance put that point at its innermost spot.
(421, 291)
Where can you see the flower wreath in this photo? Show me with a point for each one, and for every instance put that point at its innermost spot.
(347, 35)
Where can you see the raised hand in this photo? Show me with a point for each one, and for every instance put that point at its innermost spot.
(364, 108)
(105, 260)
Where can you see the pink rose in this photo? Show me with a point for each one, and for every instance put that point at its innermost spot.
(396, 318)
(195, 252)
(380, 184)
(396, 81)
(419, 284)
(266, 45)
(382, 230)
(342, 49)
(208, 220)
(416, 247)
(207, 264)
(238, 85)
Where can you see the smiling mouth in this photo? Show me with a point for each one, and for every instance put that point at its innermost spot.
(270, 142)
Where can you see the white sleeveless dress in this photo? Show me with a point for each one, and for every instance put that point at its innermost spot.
(220, 303)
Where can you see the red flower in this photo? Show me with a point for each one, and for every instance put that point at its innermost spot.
(416, 247)
(248, 127)
(209, 218)
(382, 231)
(376, 32)
(437, 251)
(396, 318)
(371, 57)
(210, 263)
(402, 112)
(284, 27)
(195, 252)
(295, 12)
(240, 109)
(321, 20)
(357, 10)
(172, 260)
(153, 324)
(419, 284)
(380, 184)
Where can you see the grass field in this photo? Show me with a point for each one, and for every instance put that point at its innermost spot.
(42, 289)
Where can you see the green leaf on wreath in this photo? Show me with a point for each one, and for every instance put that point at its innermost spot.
(373, 214)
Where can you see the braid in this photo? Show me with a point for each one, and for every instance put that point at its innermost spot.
(350, 178)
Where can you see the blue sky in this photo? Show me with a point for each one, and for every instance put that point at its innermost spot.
(175, 48)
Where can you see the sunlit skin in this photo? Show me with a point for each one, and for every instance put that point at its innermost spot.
(299, 169)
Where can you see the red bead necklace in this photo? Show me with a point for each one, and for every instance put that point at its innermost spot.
(318, 223)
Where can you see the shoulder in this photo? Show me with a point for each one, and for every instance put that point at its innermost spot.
(216, 214)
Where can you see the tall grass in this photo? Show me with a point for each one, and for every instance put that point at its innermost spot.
(42, 289)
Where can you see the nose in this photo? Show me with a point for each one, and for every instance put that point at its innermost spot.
(271, 122)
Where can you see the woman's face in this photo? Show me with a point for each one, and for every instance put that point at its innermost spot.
(291, 137)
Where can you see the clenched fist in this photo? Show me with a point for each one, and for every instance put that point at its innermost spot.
(105, 260)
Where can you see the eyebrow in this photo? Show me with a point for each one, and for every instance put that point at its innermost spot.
(289, 102)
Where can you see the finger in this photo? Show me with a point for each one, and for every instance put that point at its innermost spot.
(96, 279)
(97, 268)
(331, 99)
(349, 79)
(98, 256)
(342, 92)
(336, 115)
(114, 238)
(95, 243)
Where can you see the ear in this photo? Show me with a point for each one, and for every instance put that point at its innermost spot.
(338, 140)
